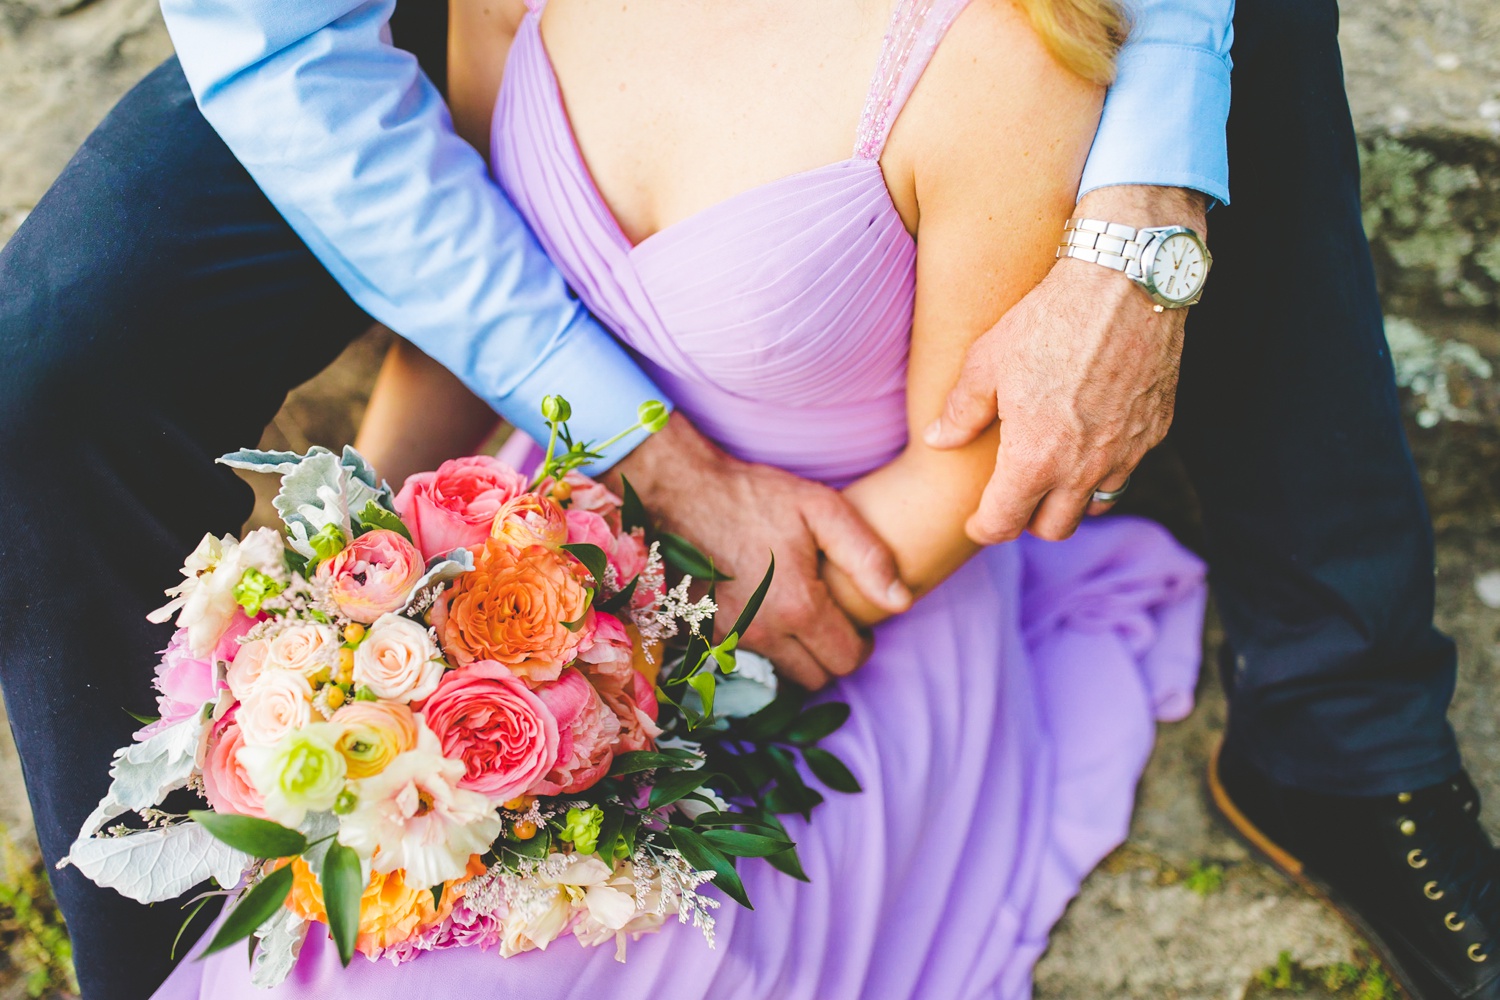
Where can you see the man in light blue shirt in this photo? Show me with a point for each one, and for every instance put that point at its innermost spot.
(160, 260)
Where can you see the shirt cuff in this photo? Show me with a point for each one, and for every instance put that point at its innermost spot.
(601, 382)
(1163, 122)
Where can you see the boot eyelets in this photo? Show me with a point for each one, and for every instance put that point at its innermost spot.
(1475, 955)
(1404, 798)
(1452, 922)
(1415, 859)
(1408, 827)
(1431, 891)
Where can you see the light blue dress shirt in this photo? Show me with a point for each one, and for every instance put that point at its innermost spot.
(354, 146)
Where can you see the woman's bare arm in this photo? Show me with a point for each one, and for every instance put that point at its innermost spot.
(989, 153)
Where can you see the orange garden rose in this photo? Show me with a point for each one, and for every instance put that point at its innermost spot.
(390, 910)
(531, 519)
(511, 609)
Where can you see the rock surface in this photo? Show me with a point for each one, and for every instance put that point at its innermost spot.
(1181, 911)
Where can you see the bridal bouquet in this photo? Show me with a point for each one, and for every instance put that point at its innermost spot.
(469, 713)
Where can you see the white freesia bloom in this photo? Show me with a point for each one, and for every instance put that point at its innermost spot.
(415, 815)
(398, 660)
(204, 601)
(278, 703)
(560, 885)
(612, 910)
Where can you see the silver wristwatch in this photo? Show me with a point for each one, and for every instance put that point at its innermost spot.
(1170, 262)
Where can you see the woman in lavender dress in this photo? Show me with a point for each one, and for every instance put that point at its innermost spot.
(687, 165)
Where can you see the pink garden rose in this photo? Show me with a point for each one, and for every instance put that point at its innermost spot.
(587, 731)
(586, 494)
(185, 682)
(454, 507)
(531, 519)
(226, 783)
(634, 705)
(611, 652)
(626, 552)
(374, 574)
(506, 736)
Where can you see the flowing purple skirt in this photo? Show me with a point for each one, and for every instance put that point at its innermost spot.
(999, 731)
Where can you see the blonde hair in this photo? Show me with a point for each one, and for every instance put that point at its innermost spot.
(1084, 35)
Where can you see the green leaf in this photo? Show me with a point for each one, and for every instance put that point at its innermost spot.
(144, 720)
(817, 722)
(621, 598)
(788, 863)
(437, 897)
(343, 887)
(181, 930)
(752, 606)
(536, 848)
(259, 905)
(744, 845)
(592, 557)
(705, 857)
(771, 721)
(723, 653)
(609, 832)
(257, 837)
(632, 511)
(375, 516)
(830, 770)
(705, 684)
(578, 623)
(685, 557)
(793, 799)
(643, 760)
(673, 785)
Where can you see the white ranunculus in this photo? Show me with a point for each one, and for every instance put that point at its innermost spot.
(398, 660)
(302, 773)
(418, 819)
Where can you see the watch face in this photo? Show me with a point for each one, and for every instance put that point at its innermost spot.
(1178, 271)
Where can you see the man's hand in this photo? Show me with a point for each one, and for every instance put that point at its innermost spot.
(740, 514)
(1082, 374)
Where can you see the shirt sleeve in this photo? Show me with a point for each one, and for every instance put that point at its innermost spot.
(356, 149)
(1164, 117)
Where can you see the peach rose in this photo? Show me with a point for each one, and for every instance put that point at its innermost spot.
(390, 911)
(531, 519)
(633, 703)
(611, 652)
(226, 783)
(305, 648)
(280, 702)
(374, 574)
(454, 507)
(246, 668)
(587, 731)
(588, 494)
(506, 736)
(398, 660)
(372, 733)
(511, 609)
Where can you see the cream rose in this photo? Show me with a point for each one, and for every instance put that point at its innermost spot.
(306, 649)
(278, 703)
(246, 667)
(398, 660)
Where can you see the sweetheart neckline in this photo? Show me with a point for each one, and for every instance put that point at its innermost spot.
(532, 22)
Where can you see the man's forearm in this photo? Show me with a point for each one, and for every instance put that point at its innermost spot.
(356, 149)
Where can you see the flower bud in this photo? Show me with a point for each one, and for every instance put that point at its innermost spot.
(582, 828)
(653, 415)
(556, 409)
(524, 829)
(353, 633)
(328, 542)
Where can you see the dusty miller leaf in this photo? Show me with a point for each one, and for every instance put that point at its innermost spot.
(281, 940)
(151, 866)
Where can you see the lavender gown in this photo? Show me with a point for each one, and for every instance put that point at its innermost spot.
(1001, 725)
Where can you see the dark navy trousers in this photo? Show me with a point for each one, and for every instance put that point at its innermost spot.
(155, 310)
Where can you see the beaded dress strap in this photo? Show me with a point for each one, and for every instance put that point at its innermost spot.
(535, 6)
(916, 28)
